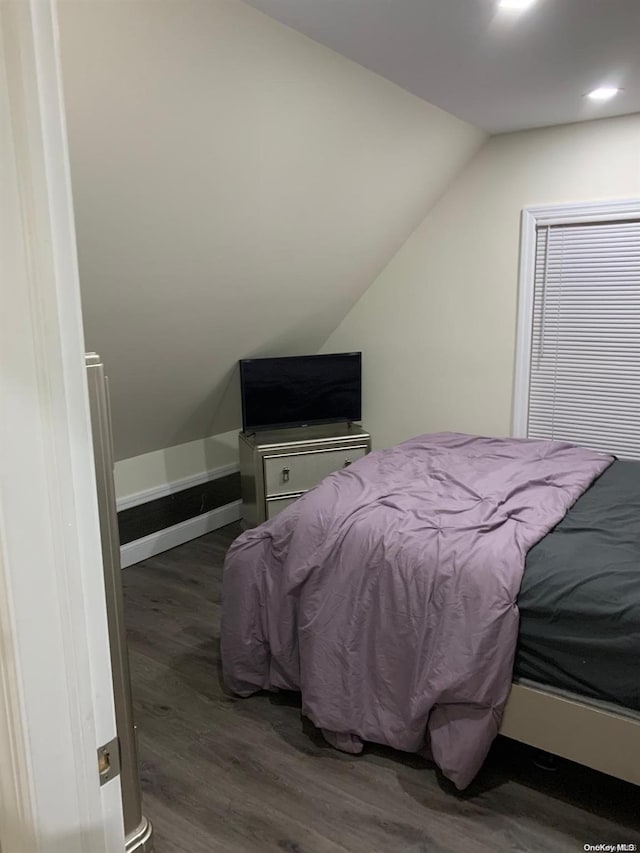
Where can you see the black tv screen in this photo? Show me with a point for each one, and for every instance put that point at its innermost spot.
(300, 390)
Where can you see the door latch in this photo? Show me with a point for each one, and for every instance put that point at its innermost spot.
(109, 761)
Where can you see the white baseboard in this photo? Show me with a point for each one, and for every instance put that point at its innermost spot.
(168, 538)
(161, 491)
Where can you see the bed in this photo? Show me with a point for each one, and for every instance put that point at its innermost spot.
(387, 596)
(576, 686)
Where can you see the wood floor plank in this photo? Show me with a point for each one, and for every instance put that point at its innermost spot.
(251, 775)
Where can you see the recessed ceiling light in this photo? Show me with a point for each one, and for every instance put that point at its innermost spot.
(516, 5)
(603, 93)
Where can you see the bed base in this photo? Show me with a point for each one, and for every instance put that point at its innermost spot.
(598, 737)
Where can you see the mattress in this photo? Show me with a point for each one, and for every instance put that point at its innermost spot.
(580, 596)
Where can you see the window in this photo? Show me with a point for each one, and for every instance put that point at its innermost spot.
(578, 358)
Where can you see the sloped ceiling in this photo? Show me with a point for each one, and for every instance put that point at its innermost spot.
(237, 187)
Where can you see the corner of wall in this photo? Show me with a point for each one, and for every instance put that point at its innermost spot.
(477, 143)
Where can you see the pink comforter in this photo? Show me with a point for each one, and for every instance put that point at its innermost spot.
(387, 594)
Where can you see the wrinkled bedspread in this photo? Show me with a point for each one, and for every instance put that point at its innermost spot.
(387, 594)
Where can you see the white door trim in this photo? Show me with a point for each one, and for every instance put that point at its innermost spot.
(56, 700)
(532, 218)
(525, 318)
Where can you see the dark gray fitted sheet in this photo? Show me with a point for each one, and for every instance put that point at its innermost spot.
(580, 596)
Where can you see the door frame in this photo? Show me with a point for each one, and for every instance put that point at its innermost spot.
(56, 694)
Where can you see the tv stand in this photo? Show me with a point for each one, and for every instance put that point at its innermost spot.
(277, 466)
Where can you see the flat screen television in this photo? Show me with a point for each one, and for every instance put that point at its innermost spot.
(300, 390)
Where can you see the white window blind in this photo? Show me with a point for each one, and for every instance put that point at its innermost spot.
(584, 383)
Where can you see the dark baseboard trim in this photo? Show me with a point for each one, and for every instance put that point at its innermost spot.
(158, 514)
(166, 522)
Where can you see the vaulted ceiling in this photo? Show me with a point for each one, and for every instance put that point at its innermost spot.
(237, 187)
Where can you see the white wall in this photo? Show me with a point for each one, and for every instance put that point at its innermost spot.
(237, 187)
(437, 328)
(148, 476)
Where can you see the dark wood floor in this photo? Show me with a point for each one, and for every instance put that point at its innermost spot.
(245, 775)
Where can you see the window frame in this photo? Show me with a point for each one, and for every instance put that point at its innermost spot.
(531, 219)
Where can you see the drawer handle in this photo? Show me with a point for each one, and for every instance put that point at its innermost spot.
(285, 475)
(347, 462)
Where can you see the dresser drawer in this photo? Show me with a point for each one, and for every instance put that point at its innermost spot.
(298, 472)
(276, 505)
